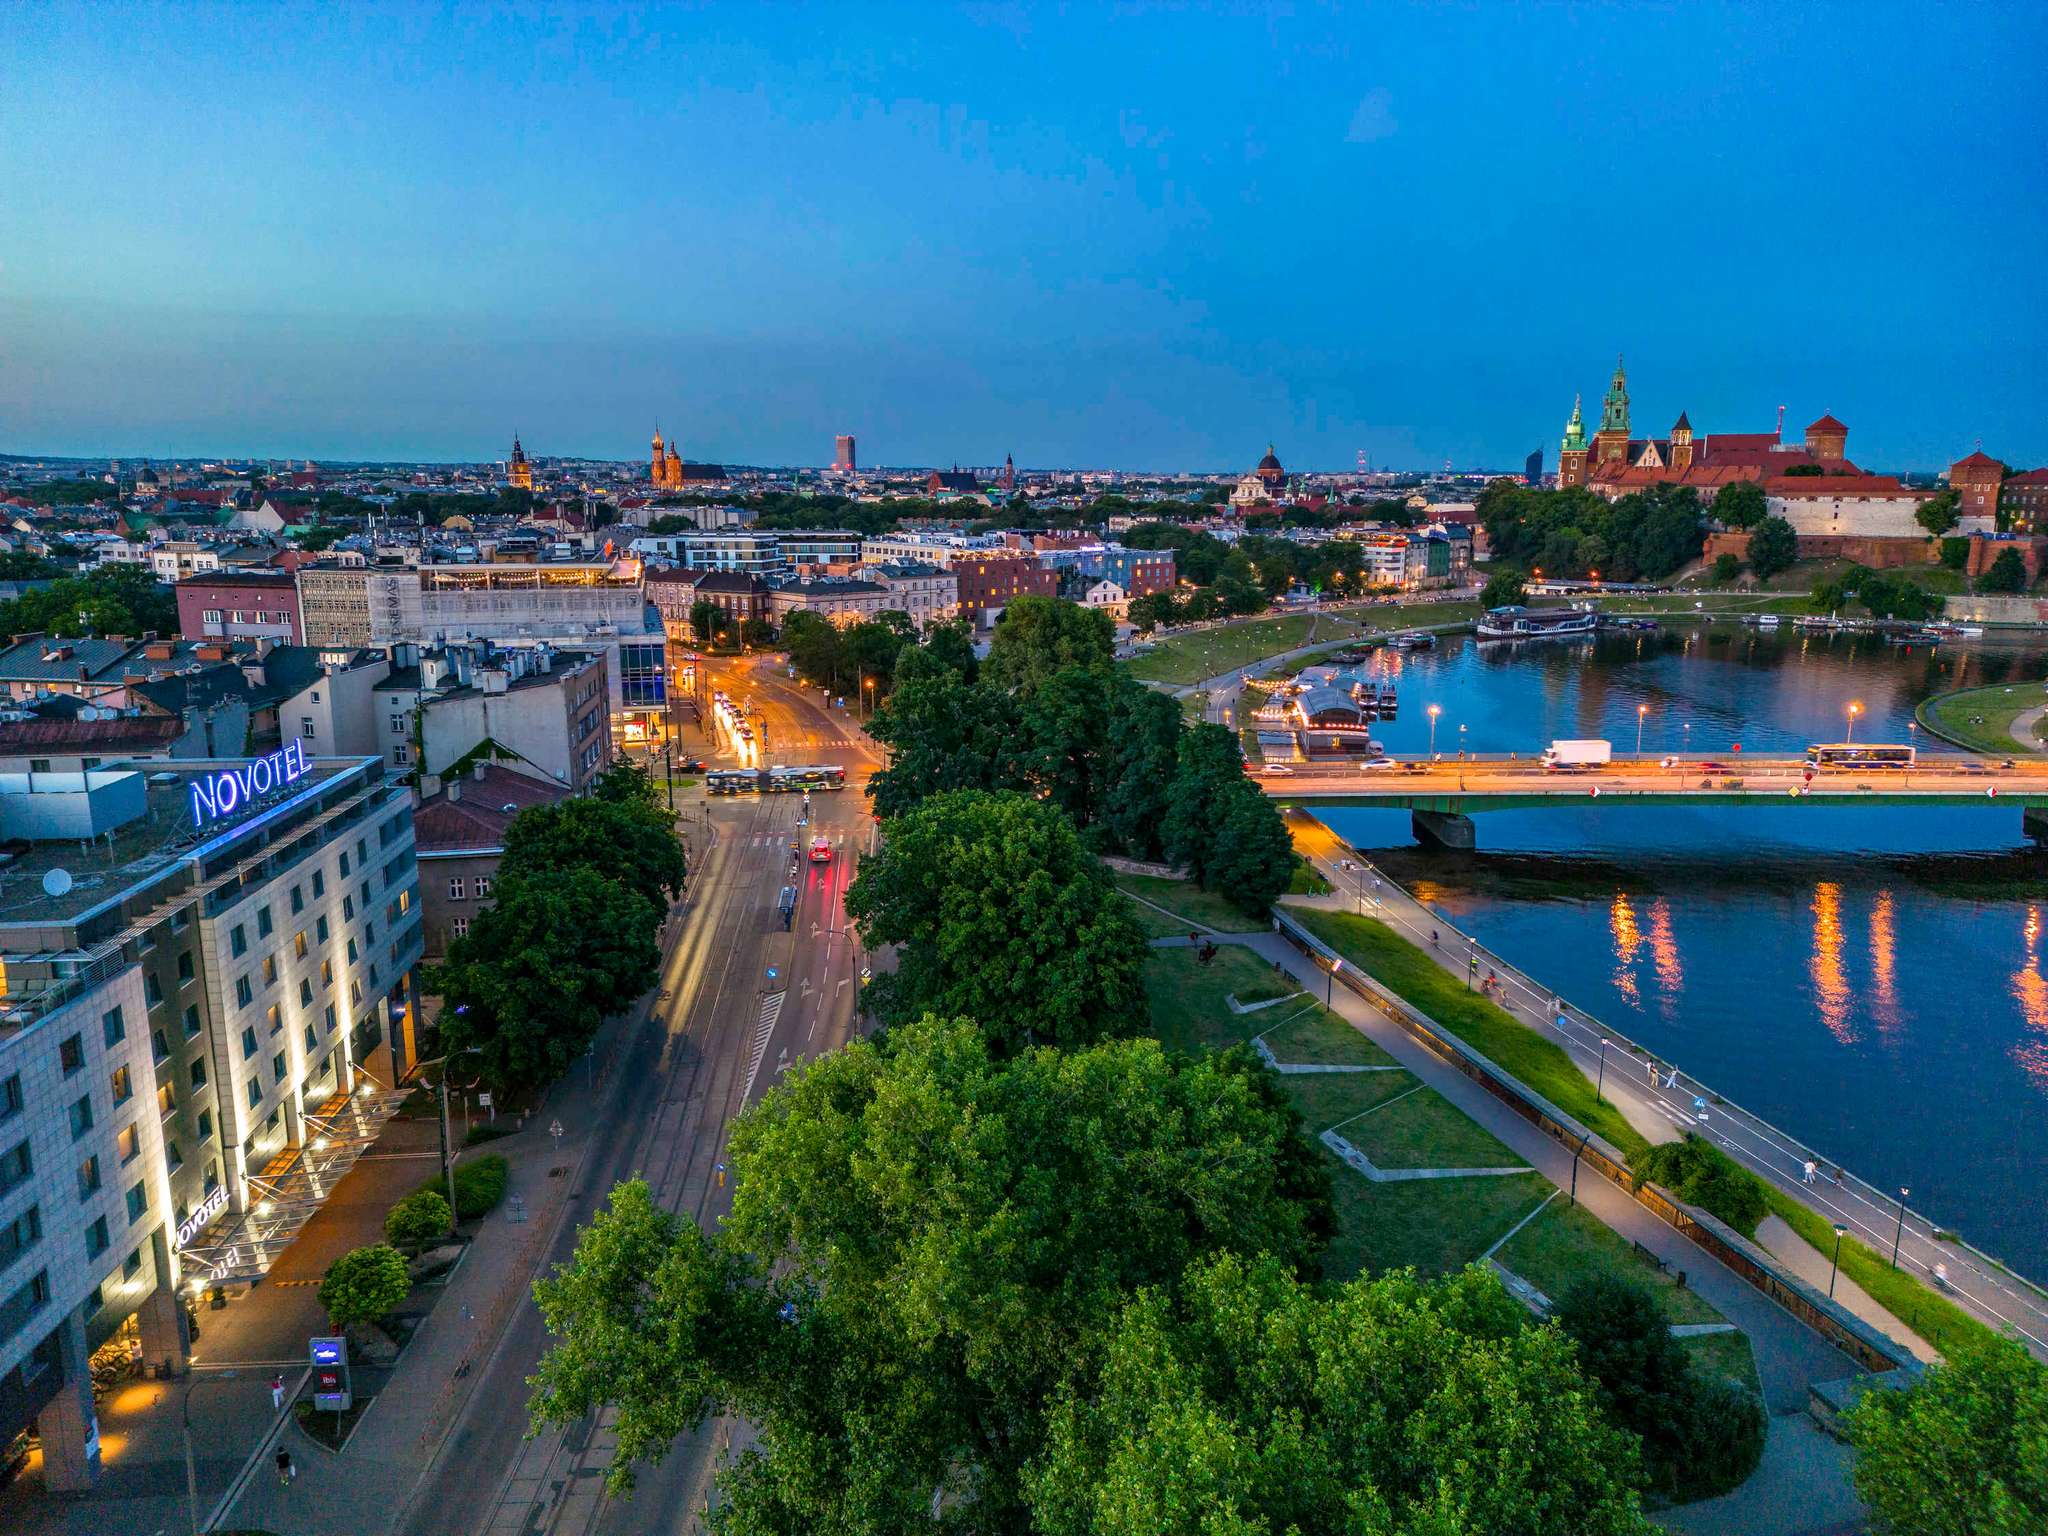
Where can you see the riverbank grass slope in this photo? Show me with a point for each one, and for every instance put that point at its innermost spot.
(1982, 719)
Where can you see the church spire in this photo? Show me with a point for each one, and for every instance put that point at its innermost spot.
(1575, 429)
(1614, 406)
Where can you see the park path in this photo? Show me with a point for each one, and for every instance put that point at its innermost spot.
(1674, 1102)
(2023, 727)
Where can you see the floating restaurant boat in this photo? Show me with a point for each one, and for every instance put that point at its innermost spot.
(1518, 623)
(1412, 640)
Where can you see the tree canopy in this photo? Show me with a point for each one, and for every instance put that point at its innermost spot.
(1773, 546)
(1940, 513)
(1038, 636)
(108, 600)
(364, 1284)
(926, 1243)
(1741, 504)
(631, 840)
(2008, 573)
(1001, 914)
(1644, 536)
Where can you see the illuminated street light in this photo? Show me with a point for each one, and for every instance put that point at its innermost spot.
(1854, 710)
(1434, 711)
(1642, 710)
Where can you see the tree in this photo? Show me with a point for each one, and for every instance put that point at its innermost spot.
(624, 782)
(1147, 613)
(926, 1241)
(1208, 763)
(1248, 1402)
(1252, 858)
(628, 840)
(1726, 568)
(1037, 636)
(2008, 573)
(708, 621)
(1003, 916)
(1741, 504)
(1955, 553)
(536, 974)
(364, 1284)
(945, 734)
(1963, 1451)
(758, 633)
(947, 647)
(1700, 1437)
(1701, 1174)
(1066, 725)
(419, 1219)
(1143, 748)
(1773, 546)
(109, 600)
(1940, 513)
(1503, 589)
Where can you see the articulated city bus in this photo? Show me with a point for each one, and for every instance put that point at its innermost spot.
(1859, 755)
(789, 779)
(780, 779)
(732, 781)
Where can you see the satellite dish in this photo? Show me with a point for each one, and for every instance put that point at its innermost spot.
(57, 882)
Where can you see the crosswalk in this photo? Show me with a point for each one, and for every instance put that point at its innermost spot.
(764, 1031)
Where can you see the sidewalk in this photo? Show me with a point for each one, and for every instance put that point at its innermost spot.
(1679, 1103)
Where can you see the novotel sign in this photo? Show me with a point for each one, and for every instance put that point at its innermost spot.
(215, 1202)
(228, 790)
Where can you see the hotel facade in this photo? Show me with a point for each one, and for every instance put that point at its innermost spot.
(207, 1001)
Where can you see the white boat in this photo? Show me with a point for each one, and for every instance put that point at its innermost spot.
(1518, 623)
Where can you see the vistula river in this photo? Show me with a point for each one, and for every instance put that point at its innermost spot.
(1875, 981)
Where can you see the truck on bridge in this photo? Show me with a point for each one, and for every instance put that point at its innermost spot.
(1577, 754)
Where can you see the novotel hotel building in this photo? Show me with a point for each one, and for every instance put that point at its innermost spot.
(207, 1001)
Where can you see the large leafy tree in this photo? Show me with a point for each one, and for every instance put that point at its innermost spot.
(1001, 914)
(1961, 1452)
(946, 647)
(2008, 573)
(1773, 546)
(1038, 636)
(111, 600)
(926, 1243)
(1741, 504)
(1940, 513)
(631, 841)
(1066, 728)
(1251, 856)
(1248, 1402)
(945, 734)
(1142, 750)
(530, 982)
(364, 1284)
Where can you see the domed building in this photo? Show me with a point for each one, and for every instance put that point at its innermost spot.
(1266, 483)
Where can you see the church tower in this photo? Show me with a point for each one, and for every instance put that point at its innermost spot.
(654, 473)
(517, 471)
(1610, 443)
(1571, 457)
(1681, 444)
(672, 469)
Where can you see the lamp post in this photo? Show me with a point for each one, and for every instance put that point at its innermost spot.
(1840, 1232)
(1899, 1231)
(1855, 709)
(1642, 712)
(447, 1162)
(1600, 1084)
(1434, 711)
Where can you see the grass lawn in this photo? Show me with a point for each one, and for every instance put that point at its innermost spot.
(1155, 924)
(1435, 1225)
(1565, 1243)
(1187, 900)
(1725, 1355)
(1981, 718)
(1200, 653)
(1423, 1130)
(1316, 1037)
(1188, 999)
(1306, 880)
(1327, 1099)
(1415, 615)
(1489, 1029)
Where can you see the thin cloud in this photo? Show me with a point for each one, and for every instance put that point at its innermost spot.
(1374, 119)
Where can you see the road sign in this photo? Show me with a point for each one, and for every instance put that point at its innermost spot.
(773, 973)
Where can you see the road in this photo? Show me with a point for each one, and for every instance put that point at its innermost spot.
(1678, 1101)
(741, 1001)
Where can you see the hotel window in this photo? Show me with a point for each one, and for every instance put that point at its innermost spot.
(255, 1093)
(173, 1158)
(457, 888)
(88, 1178)
(10, 1096)
(320, 930)
(166, 1098)
(274, 1017)
(298, 900)
(132, 1265)
(191, 1020)
(244, 993)
(312, 1040)
(81, 1116)
(15, 1166)
(71, 1054)
(128, 1143)
(212, 1177)
(152, 990)
(269, 969)
(112, 1027)
(483, 886)
(206, 1125)
(305, 993)
(121, 1085)
(159, 1047)
(277, 1067)
(355, 990)
(330, 1018)
(348, 909)
(20, 1235)
(319, 885)
(263, 922)
(138, 1203)
(299, 944)
(326, 973)
(184, 967)
(306, 727)
(238, 941)
(96, 1239)
(248, 1042)
(198, 1071)
(351, 951)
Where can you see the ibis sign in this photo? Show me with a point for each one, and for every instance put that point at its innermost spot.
(228, 790)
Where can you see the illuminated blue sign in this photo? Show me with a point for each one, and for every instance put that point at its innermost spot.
(222, 793)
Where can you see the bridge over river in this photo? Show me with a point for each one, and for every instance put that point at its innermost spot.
(1444, 795)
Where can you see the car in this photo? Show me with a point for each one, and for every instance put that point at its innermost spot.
(1713, 767)
(821, 850)
(1274, 768)
(1372, 764)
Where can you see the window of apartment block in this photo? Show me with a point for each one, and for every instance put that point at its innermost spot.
(152, 990)
(459, 927)
(10, 1097)
(15, 1165)
(198, 1071)
(97, 1240)
(458, 888)
(184, 966)
(191, 1020)
(306, 726)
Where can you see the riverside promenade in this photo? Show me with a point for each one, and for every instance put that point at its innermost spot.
(1672, 1103)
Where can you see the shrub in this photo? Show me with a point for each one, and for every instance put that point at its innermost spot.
(479, 1186)
(418, 1219)
(1726, 568)
(364, 1284)
(1703, 1175)
(1955, 553)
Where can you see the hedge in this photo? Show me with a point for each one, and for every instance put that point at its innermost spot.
(479, 1186)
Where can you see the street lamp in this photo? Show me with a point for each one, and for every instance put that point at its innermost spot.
(1642, 711)
(1840, 1232)
(447, 1162)
(1900, 1230)
(1854, 710)
(1434, 711)
(1600, 1084)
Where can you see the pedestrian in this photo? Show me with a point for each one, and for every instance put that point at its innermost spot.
(1652, 1066)
(1671, 1078)
(285, 1470)
(1806, 1173)
(276, 1393)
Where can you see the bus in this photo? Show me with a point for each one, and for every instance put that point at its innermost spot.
(732, 781)
(1858, 756)
(789, 779)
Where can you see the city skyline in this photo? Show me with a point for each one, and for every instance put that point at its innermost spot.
(1389, 232)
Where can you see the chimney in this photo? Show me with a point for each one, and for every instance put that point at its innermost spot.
(430, 785)
(492, 679)
(478, 768)
(454, 790)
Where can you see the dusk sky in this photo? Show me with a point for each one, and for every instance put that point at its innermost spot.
(1144, 236)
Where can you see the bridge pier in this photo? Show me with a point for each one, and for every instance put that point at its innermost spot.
(1446, 829)
(2034, 822)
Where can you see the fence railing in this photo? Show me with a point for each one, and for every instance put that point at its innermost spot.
(1834, 1322)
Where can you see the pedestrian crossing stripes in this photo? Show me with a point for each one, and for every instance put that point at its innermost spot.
(764, 1031)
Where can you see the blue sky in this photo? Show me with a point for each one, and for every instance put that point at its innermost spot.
(1144, 236)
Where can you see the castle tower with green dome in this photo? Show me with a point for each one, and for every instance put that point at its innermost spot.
(1571, 456)
(1610, 443)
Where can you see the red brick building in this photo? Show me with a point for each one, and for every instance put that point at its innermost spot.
(1975, 481)
(987, 583)
(241, 605)
(2024, 501)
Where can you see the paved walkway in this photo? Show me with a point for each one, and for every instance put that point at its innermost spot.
(2024, 728)
(1674, 1103)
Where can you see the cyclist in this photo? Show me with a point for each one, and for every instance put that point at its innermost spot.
(285, 1470)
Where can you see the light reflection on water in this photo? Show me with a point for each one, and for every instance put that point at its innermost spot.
(1871, 980)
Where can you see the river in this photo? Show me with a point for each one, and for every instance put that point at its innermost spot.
(1872, 980)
